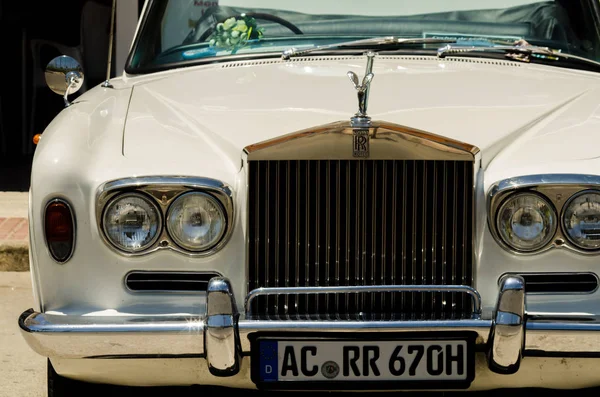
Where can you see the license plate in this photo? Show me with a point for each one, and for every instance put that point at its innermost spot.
(413, 361)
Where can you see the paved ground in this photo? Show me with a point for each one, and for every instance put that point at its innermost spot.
(13, 218)
(14, 238)
(22, 372)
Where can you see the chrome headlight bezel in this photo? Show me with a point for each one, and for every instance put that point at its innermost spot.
(163, 190)
(558, 189)
(563, 224)
(552, 225)
(178, 240)
(151, 203)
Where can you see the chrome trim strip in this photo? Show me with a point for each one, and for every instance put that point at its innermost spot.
(558, 189)
(73, 221)
(164, 190)
(473, 293)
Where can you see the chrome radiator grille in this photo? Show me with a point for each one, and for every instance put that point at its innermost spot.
(360, 222)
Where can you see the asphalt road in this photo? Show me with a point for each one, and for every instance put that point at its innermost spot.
(23, 372)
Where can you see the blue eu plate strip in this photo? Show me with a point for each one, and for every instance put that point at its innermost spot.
(268, 361)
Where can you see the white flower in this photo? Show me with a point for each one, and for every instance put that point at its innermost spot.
(229, 23)
(212, 42)
(241, 28)
(235, 33)
(219, 27)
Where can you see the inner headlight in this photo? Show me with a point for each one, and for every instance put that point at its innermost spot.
(131, 222)
(581, 220)
(196, 221)
(526, 222)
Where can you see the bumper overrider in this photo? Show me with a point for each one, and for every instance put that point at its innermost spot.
(223, 336)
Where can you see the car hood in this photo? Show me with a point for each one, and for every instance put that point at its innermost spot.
(522, 117)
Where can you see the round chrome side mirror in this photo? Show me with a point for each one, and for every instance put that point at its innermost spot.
(64, 76)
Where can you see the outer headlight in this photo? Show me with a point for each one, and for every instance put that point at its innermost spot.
(526, 222)
(581, 220)
(132, 222)
(196, 221)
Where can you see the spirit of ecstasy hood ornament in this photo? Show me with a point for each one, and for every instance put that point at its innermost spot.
(361, 119)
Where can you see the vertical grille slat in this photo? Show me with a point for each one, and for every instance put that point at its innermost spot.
(338, 245)
(443, 241)
(465, 232)
(286, 227)
(394, 239)
(403, 236)
(424, 237)
(384, 256)
(434, 228)
(360, 222)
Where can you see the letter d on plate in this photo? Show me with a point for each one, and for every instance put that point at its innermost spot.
(268, 361)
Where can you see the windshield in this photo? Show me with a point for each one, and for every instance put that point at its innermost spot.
(177, 33)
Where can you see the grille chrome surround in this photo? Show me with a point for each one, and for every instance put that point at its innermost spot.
(333, 222)
(473, 293)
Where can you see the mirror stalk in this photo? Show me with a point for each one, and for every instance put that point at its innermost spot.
(106, 83)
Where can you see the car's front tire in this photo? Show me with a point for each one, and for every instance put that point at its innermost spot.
(59, 386)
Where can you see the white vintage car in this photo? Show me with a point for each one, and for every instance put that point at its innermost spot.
(326, 195)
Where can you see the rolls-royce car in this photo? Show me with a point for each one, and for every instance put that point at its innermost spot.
(326, 195)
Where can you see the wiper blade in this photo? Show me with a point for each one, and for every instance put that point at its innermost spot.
(521, 51)
(371, 42)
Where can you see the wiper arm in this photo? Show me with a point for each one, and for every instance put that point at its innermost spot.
(375, 41)
(520, 51)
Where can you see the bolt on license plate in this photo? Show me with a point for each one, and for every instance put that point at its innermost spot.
(420, 363)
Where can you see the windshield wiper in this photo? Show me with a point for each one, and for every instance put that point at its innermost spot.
(521, 51)
(375, 41)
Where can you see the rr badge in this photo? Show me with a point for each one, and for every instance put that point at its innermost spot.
(360, 143)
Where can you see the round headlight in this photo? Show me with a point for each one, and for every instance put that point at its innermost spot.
(131, 222)
(196, 221)
(581, 220)
(526, 222)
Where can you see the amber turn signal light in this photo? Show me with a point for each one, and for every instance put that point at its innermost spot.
(59, 229)
(36, 138)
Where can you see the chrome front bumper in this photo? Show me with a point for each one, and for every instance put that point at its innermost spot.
(223, 336)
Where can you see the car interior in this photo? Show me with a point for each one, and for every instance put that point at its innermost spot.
(542, 22)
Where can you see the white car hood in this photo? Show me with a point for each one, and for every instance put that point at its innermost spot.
(518, 114)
